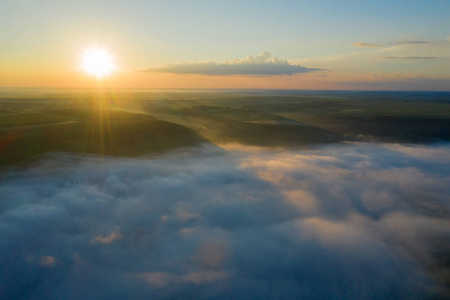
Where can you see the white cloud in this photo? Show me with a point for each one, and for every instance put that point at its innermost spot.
(345, 221)
(114, 236)
(162, 280)
(47, 261)
(264, 64)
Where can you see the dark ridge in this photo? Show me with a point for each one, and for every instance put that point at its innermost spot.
(97, 132)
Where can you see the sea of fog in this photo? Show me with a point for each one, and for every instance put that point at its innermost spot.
(350, 221)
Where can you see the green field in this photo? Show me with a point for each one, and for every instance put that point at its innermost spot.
(132, 123)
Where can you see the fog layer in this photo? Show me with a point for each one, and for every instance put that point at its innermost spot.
(355, 221)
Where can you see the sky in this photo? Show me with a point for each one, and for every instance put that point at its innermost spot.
(359, 44)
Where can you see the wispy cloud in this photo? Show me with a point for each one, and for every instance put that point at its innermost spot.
(366, 45)
(410, 57)
(418, 42)
(398, 81)
(398, 43)
(264, 64)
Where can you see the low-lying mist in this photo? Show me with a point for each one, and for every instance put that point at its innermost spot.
(352, 221)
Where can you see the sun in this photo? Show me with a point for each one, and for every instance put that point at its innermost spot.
(97, 62)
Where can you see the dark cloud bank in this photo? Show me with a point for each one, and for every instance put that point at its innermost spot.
(356, 221)
(263, 64)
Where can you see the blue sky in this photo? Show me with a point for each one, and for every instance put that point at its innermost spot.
(146, 34)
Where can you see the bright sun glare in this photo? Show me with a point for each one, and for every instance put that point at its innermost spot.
(97, 62)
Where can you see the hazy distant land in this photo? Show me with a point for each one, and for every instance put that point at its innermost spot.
(129, 123)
